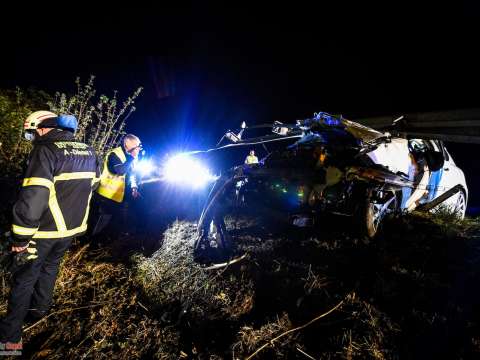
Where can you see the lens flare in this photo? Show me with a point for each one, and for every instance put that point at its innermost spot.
(144, 167)
(183, 170)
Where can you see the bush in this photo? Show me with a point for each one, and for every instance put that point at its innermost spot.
(15, 106)
(101, 120)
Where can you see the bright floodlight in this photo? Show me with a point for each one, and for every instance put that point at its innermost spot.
(181, 169)
(144, 167)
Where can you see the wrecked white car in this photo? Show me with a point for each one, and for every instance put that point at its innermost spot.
(333, 166)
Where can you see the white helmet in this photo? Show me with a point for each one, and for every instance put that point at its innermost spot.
(35, 118)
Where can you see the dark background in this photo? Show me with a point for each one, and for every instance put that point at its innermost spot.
(207, 70)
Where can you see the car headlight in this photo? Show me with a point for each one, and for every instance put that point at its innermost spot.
(183, 170)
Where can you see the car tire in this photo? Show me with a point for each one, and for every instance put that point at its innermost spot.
(460, 206)
(375, 213)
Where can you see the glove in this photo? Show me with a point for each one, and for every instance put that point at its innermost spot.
(19, 259)
(29, 254)
(11, 260)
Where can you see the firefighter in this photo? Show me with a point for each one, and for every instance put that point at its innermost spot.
(117, 172)
(51, 209)
(251, 158)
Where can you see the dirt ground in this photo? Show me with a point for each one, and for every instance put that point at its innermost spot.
(321, 293)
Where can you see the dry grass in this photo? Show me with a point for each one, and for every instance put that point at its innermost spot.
(168, 307)
(250, 339)
(171, 277)
(97, 314)
(370, 332)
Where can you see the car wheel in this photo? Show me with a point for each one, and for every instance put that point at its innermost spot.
(460, 206)
(375, 213)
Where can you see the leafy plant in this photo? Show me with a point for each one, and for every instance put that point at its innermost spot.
(15, 106)
(101, 120)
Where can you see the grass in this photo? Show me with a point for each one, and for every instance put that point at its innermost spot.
(412, 293)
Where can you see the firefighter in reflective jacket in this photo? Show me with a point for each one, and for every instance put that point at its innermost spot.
(117, 169)
(52, 209)
(251, 158)
(118, 164)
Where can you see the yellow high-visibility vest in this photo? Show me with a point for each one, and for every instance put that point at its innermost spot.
(112, 186)
(251, 160)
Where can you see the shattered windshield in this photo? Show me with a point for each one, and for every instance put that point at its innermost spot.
(361, 132)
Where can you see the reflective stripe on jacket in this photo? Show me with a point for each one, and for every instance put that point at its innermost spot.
(55, 196)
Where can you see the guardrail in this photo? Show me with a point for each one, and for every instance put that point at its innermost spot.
(452, 126)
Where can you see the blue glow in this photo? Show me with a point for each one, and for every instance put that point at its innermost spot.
(328, 119)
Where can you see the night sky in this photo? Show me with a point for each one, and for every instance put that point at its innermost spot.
(204, 73)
